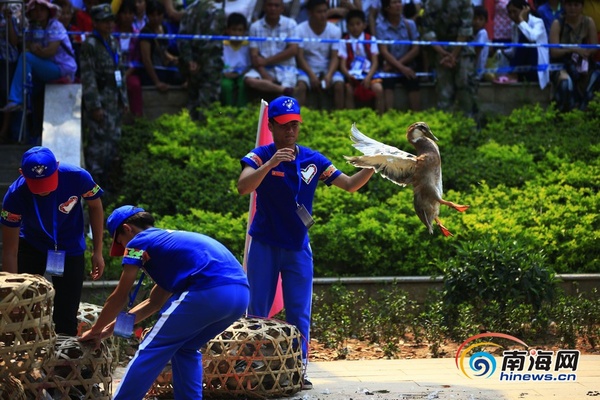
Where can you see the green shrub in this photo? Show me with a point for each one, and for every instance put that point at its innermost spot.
(532, 177)
(496, 270)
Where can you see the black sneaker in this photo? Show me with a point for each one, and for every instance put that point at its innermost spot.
(306, 383)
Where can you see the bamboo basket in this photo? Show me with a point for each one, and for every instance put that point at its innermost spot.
(254, 357)
(27, 336)
(75, 371)
(11, 389)
(87, 315)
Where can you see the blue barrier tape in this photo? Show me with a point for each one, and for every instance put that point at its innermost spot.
(318, 40)
(525, 68)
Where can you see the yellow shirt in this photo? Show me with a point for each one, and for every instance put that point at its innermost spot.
(591, 8)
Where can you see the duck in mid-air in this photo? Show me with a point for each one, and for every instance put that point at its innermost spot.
(423, 171)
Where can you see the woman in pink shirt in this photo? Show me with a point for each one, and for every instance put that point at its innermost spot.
(50, 55)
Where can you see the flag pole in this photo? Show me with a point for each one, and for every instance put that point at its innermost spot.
(263, 137)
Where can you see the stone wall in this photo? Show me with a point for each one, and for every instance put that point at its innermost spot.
(492, 98)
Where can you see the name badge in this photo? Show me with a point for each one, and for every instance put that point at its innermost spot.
(118, 78)
(305, 216)
(55, 262)
(124, 325)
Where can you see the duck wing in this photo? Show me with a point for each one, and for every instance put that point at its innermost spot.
(394, 164)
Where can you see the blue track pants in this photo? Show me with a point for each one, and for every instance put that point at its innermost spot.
(265, 262)
(188, 321)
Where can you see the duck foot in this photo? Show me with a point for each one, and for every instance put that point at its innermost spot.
(457, 207)
(444, 230)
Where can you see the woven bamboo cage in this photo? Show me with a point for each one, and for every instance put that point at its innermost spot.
(27, 336)
(11, 389)
(75, 371)
(162, 388)
(254, 357)
(87, 315)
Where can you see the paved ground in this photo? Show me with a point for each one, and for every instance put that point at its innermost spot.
(436, 379)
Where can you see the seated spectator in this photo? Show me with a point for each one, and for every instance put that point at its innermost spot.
(8, 60)
(576, 82)
(66, 18)
(236, 58)
(411, 9)
(159, 64)
(501, 22)
(274, 63)
(49, 56)
(359, 63)
(130, 54)
(338, 10)
(291, 9)
(480, 17)
(550, 11)
(140, 19)
(318, 61)
(201, 61)
(528, 28)
(399, 59)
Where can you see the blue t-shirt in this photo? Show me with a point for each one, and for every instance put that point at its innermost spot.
(36, 215)
(275, 221)
(178, 260)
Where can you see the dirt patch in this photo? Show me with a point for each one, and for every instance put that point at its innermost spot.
(355, 349)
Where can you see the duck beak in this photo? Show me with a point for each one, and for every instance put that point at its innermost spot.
(430, 134)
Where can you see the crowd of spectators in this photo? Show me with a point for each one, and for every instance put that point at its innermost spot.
(343, 74)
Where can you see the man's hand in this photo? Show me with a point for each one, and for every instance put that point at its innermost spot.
(91, 336)
(97, 266)
(282, 155)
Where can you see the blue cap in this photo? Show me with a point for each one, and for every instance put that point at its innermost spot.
(284, 109)
(40, 170)
(115, 220)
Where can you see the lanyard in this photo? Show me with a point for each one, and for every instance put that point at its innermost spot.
(133, 295)
(299, 173)
(297, 162)
(113, 54)
(54, 220)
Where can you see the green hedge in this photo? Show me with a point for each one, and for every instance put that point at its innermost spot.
(531, 177)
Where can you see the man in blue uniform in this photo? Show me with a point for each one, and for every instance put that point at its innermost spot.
(43, 229)
(200, 286)
(285, 176)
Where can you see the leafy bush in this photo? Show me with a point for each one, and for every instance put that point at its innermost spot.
(532, 177)
(497, 271)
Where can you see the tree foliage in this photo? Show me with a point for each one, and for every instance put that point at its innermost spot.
(532, 177)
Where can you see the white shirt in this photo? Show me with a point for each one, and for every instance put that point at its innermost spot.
(535, 31)
(318, 54)
(482, 37)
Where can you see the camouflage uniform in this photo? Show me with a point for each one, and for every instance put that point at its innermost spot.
(445, 20)
(100, 91)
(203, 17)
